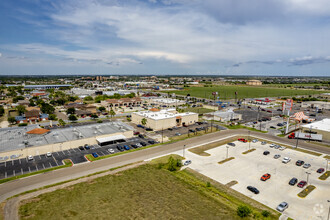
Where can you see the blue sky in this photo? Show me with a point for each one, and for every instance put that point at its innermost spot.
(255, 37)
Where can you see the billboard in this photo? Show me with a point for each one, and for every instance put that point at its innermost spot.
(287, 105)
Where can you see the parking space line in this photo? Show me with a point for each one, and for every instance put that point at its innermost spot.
(39, 156)
(56, 162)
(29, 170)
(12, 162)
(44, 166)
(5, 163)
(36, 167)
(50, 165)
(102, 153)
(63, 152)
(14, 172)
(20, 162)
(5, 174)
(57, 153)
(21, 171)
(26, 159)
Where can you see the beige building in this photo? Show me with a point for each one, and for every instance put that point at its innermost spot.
(254, 82)
(163, 119)
(223, 116)
(316, 104)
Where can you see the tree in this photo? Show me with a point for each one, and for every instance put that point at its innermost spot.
(15, 99)
(88, 98)
(52, 117)
(2, 111)
(102, 108)
(11, 120)
(71, 111)
(21, 109)
(73, 118)
(47, 108)
(171, 164)
(112, 113)
(243, 211)
(32, 103)
(61, 122)
(144, 121)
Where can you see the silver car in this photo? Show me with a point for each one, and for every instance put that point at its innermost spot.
(282, 206)
(254, 140)
(111, 151)
(306, 165)
(276, 156)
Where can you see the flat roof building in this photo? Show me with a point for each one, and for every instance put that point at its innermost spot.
(165, 118)
(320, 127)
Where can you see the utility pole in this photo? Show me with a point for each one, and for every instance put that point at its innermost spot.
(162, 134)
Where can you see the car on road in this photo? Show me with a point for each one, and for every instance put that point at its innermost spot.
(253, 189)
(120, 148)
(286, 160)
(293, 181)
(95, 155)
(307, 165)
(30, 157)
(320, 170)
(126, 147)
(143, 144)
(111, 151)
(263, 143)
(279, 124)
(266, 152)
(48, 154)
(276, 156)
(187, 162)
(265, 177)
(282, 206)
(300, 162)
(81, 148)
(301, 184)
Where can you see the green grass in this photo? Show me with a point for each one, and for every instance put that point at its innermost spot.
(164, 159)
(228, 92)
(306, 191)
(249, 151)
(242, 127)
(200, 150)
(226, 160)
(144, 192)
(325, 175)
(67, 163)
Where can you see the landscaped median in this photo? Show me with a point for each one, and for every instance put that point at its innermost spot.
(200, 150)
(226, 160)
(325, 175)
(249, 151)
(306, 191)
(67, 163)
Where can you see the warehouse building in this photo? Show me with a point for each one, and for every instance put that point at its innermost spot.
(319, 127)
(316, 104)
(165, 118)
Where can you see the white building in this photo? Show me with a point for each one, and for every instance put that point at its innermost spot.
(320, 127)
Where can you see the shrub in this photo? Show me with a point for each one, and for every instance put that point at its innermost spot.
(243, 211)
(265, 213)
(22, 124)
(99, 121)
(208, 184)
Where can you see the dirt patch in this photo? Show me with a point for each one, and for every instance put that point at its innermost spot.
(231, 183)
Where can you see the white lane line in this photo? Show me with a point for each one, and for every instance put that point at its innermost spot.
(50, 165)
(44, 166)
(12, 162)
(29, 170)
(21, 171)
(36, 167)
(5, 174)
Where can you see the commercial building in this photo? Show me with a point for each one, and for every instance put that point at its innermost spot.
(163, 102)
(47, 86)
(320, 127)
(165, 118)
(223, 116)
(254, 83)
(123, 102)
(35, 138)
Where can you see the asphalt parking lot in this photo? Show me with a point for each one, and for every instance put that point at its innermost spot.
(247, 170)
(41, 162)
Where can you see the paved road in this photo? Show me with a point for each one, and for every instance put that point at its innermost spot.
(21, 185)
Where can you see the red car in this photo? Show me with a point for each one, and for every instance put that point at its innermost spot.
(320, 170)
(136, 133)
(242, 139)
(265, 177)
(301, 184)
(269, 111)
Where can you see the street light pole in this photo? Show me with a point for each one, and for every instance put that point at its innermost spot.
(307, 176)
(183, 150)
(249, 139)
(227, 152)
(326, 168)
(329, 211)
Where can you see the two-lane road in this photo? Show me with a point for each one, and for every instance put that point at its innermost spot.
(21, 185)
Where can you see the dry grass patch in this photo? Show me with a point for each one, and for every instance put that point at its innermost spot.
(249, 151)
(231, 183)
(325, 175)
(200, 150)
(2, 214)
(226, 160)
(327, 157)
(306, 191)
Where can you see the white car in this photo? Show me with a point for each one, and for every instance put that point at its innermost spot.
(111, 151)
(187, 162)
(286, 160)
(281, 207)
(48, 154)
(282, 148)
(30, 157)
(254, 140)
(272, 145)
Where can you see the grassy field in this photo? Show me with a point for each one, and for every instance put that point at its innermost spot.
(228, 92)
(144, 192)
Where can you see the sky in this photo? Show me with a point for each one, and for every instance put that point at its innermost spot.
(165, 37)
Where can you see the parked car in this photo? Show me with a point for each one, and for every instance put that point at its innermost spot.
(141, 136)
(300, 162)
(293, 181)
(48, 154)
(263, 143)
(151, 142)
(95, 155)
(266, 152)
(279, 124)
(184, 125)
(232, 144)
(306, 165)
(87, 147)
(254, 140)
(276, 156)
(143, 144)
(140, 126)
(320, 170)
(149, 129)
(253, 189)
(282, 148)
(120, 148)
(191, 130)
(286, 160)
(272, 127)
(187, 162)
(136, 133)
(138, 145)
(81, 148)
(126, 147)
(277, 146)
(242, 140)
(269, 111)
(301, 184)
(272, 145)
(282, 206)
(170, 129)
(133, 146)
(111, 151)
(30, 157)
(198, 129)
(265, 177)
